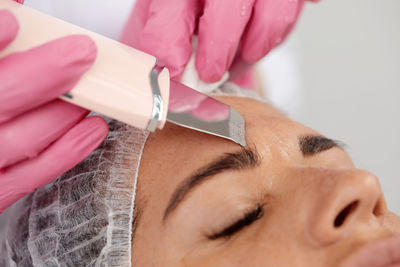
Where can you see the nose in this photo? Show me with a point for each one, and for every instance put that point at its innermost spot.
(347, 199)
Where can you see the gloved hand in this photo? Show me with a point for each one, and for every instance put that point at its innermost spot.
(42, 137)
(165, 28)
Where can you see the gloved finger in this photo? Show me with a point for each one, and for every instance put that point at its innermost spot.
(271, 22)
(32, 78)
(135, 24)
(220, 31)
(247, 80)
(27, 135)
(8, 28)
(239, 67)
(23, 178)
(168, 32)
(300, 7)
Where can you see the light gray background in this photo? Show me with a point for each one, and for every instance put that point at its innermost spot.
(339, 73)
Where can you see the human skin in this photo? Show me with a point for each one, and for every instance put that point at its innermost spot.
(300, 197)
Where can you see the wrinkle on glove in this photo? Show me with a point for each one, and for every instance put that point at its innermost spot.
(225, 28)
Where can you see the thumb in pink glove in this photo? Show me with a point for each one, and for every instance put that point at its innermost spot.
(248, 29)
(42, 137)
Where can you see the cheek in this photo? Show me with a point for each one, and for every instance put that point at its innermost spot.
(392, 222)
(265, 247)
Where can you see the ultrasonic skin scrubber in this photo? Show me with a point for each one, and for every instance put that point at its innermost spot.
(126, 84)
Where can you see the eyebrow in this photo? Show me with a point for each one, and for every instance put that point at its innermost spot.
(247, 158)
(311, 145)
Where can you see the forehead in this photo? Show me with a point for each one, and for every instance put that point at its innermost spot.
(268, 128)
(263, 123)
(261, 120)
(177, 152)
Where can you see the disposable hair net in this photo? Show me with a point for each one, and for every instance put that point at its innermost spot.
(83, 218)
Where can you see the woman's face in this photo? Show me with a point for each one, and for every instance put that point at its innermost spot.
(291, 198)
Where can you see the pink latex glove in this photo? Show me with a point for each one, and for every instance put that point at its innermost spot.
(165, 29)
(42, 137)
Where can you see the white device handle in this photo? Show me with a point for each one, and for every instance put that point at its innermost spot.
(117, 85)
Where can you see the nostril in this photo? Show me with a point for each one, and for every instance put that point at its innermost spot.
(379, 208)
(345, 213)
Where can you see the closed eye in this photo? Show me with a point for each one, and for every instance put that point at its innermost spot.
(245, 221)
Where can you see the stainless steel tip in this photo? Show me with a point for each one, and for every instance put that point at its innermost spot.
(194, 110)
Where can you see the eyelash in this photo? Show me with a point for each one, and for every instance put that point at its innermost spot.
(246, 220)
